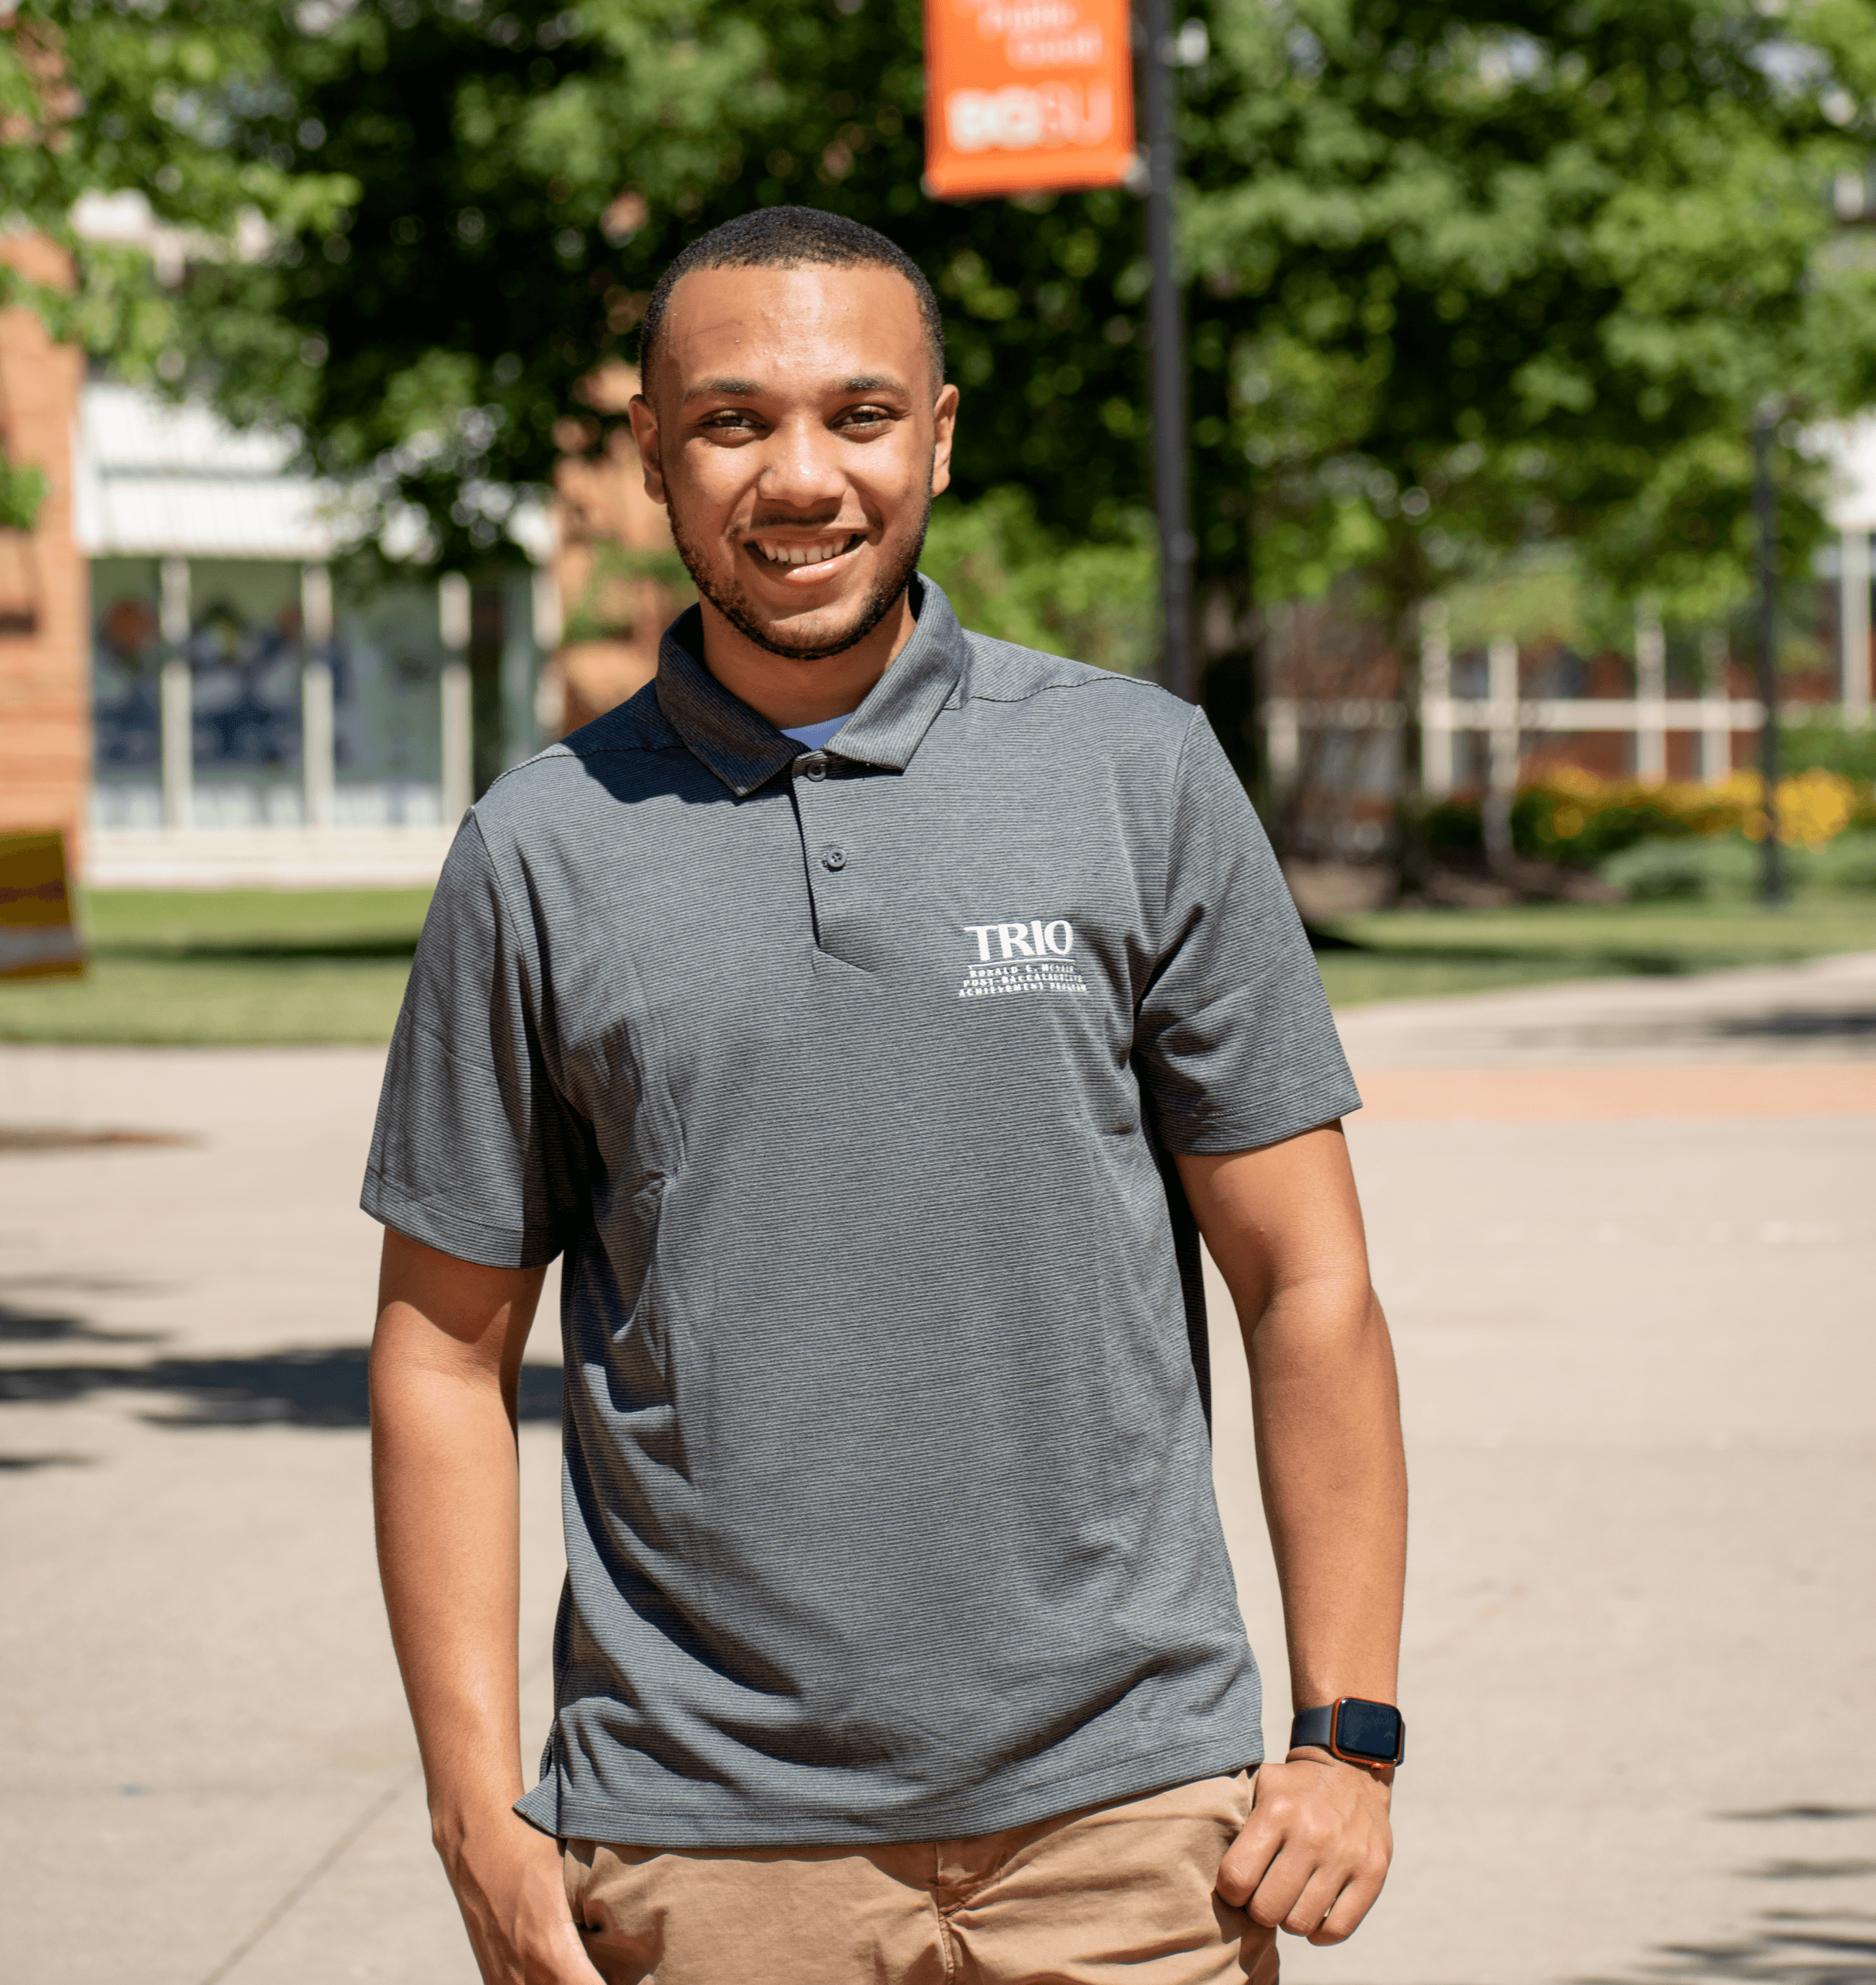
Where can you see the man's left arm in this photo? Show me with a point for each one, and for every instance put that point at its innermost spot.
(1284, 1225)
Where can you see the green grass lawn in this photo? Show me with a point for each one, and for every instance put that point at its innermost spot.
(223, 966)
(306, 966)
(1409, 954)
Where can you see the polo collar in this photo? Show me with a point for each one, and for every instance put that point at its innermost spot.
(746, 750)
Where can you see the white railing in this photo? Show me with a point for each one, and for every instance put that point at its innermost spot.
(1507, 720)
(1507, 717)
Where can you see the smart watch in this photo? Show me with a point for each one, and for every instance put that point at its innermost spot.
(1358, 1732)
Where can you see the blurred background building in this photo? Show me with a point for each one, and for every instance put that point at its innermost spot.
(208, 682)
(224, 695)
(1513, 685)
(1469, 433)
(220, 667)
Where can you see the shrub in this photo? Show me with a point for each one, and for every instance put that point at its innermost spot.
(1662, 871)
(1824, 741)
(1575, 818)
(1452, 829)
(1728, 865)
(1813, 808)
(1849, 862)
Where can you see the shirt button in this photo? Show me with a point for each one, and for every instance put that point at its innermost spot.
(833, 857)
(815, 767)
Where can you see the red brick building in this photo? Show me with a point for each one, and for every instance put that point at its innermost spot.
(45, 637)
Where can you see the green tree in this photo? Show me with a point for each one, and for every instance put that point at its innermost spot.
(467, 206)
(1520, 271)
(97, 98)
(1463, 274)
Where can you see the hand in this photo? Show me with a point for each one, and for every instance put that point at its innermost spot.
(508, 1885)
(1314, 1851)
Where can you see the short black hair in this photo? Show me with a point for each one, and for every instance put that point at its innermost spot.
(791, 238)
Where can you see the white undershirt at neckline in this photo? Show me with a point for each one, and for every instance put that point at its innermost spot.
(815, 735)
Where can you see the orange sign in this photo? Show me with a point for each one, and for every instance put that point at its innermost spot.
(1026, 96)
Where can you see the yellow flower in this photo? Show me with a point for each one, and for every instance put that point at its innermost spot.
(1814, 807)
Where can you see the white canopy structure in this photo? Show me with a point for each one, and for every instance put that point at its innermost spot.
(154, 480)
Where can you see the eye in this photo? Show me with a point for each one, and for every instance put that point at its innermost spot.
(868, 416)
(730, 420)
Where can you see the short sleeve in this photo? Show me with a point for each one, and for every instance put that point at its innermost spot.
(1233, 1040)
(475, 1152)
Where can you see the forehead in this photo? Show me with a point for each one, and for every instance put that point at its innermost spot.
(794, 327)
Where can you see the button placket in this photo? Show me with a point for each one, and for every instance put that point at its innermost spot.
(821, 808)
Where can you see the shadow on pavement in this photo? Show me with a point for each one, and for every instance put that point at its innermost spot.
(1799, 1024)
(318, 1388)
(41, 1138)
(1782, 1952)
(1611, 962)
(1853, 1027)
(1782, 1946)
(19, 1326)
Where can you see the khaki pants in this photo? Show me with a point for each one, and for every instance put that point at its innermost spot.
(1113, 1893)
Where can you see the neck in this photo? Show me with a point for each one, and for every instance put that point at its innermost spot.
(790, 693)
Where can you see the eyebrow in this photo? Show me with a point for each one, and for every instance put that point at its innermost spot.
(730, 388)
(735, 388)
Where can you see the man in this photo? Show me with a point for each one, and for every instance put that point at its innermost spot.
(857, 1010)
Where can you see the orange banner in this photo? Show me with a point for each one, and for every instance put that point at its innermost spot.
(1026, 96)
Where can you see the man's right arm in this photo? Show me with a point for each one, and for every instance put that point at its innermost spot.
(446, 1361)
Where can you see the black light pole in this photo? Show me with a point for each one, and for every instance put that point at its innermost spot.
(1178, 664)
(1765, 504)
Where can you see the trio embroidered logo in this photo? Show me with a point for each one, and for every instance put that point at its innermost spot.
(1035, 957)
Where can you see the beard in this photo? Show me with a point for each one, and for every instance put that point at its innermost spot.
(734, 604)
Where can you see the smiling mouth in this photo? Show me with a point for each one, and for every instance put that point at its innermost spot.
(803, 560)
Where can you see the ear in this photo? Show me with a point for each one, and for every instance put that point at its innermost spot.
(645, 433)
(944, 422)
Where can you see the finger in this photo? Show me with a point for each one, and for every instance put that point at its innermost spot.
(1284, 1881)
(1345, 1915)
(1308, 1913)
(1247, 1858)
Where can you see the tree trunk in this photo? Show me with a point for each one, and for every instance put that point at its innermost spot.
(1410, 854)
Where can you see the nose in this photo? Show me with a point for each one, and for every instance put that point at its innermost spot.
(803, 471)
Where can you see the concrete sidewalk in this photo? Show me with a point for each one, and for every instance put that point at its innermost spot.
(1636, 1348)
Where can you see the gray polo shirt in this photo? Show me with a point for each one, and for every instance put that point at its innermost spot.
(841, 1080)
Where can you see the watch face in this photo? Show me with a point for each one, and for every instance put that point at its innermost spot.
(1371, 1730)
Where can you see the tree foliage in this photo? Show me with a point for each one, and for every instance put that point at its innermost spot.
(1461, 274)
(1010, 577)
(1517, 269)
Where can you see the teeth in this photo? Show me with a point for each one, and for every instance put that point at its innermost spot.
(804, 554)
